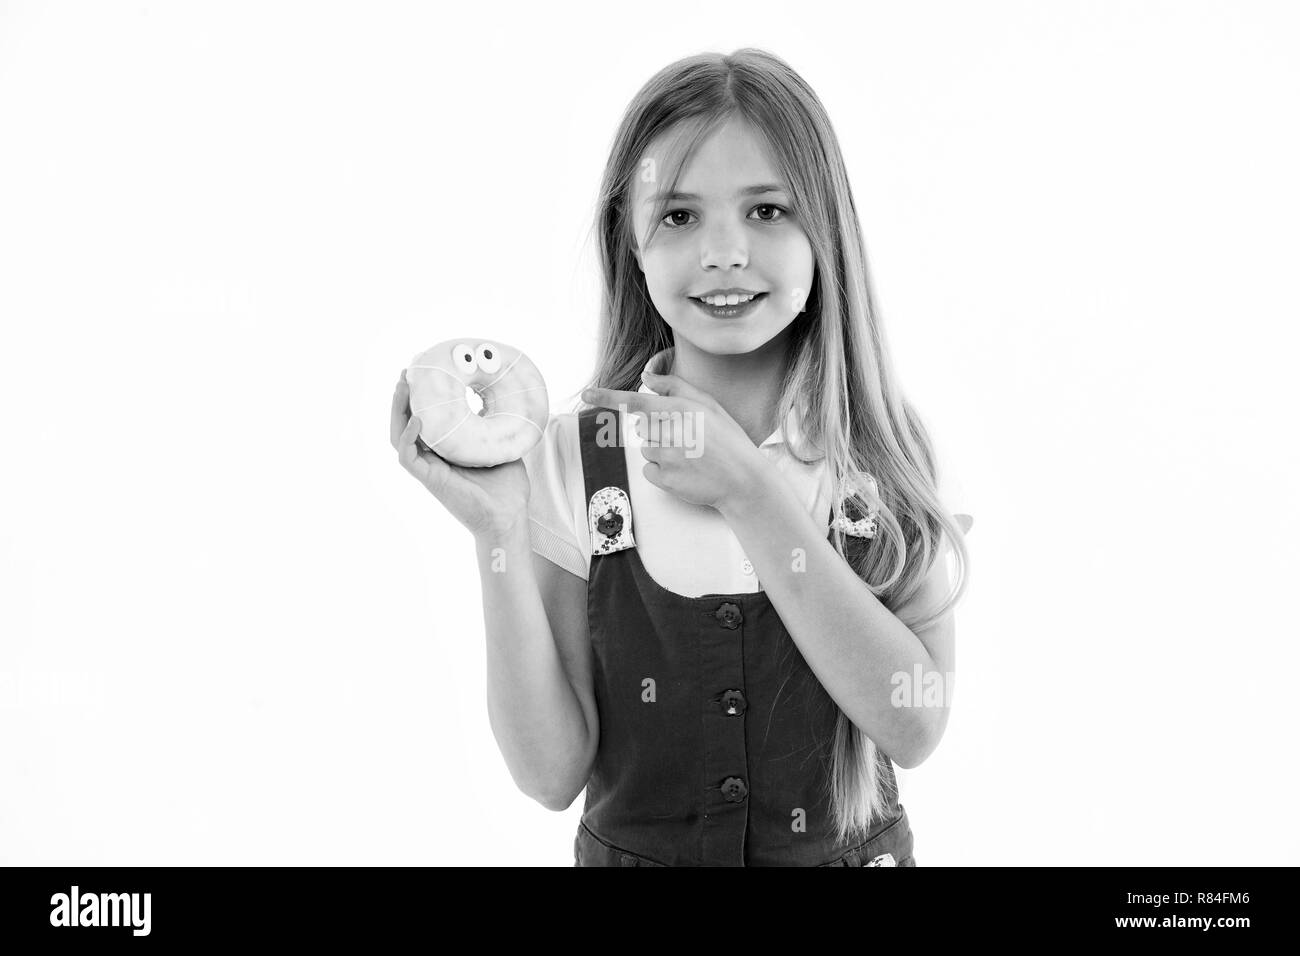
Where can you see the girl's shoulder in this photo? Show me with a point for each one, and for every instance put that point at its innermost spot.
(556, 505)
(559, 442)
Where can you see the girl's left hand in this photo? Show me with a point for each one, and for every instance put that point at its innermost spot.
(676, 427)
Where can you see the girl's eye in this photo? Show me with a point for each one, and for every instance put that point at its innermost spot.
(774, 209)
(775, 214)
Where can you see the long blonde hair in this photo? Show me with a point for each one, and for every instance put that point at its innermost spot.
(838, 371)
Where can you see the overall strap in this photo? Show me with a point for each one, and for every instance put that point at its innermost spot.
(604, 476)
(600, 435)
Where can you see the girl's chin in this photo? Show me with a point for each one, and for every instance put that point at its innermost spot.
(718, 338)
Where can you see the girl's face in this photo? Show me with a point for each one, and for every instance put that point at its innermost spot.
(728, 227)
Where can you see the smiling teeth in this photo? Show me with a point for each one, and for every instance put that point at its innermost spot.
(717, 300)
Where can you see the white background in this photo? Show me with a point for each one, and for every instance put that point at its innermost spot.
(234, 630)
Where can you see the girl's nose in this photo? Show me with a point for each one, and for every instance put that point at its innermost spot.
(724, 247)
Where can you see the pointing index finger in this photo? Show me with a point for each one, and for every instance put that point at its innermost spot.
(634, 401)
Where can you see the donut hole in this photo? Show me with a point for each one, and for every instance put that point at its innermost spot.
(474, 400)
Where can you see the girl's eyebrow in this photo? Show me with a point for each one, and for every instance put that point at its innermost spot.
(747, 191)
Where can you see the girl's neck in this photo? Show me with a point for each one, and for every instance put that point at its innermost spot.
(748, 386)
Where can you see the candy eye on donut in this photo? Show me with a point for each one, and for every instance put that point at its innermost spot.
(463, 356)
(489, 358)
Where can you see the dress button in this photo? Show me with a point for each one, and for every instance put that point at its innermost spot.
(610, 523)
(728, 615)
(733, 702)
(734, 789)
(747, 566)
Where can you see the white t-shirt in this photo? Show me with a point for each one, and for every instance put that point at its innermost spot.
(688, 549)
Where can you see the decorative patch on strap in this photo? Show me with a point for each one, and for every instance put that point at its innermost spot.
(609, 516)
(885, 859)
(856, 524)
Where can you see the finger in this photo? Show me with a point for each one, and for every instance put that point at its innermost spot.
(401, 409)
(653, 474)
(633, 401)
(639, 425)
(652, 452)
(418, 463)
(405, 442)
(667, 429)
(663, 430)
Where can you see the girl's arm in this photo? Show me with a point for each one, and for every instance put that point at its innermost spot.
(868, 660)
(541, 700)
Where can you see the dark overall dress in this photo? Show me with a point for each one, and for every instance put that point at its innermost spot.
(715, 735)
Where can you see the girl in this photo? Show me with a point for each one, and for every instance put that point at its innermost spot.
(718, 622)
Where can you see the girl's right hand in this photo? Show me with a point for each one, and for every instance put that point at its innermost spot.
(490, 502)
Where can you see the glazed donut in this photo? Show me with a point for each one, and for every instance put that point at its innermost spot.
(515, 407)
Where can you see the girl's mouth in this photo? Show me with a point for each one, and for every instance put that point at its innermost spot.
(730, 311)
